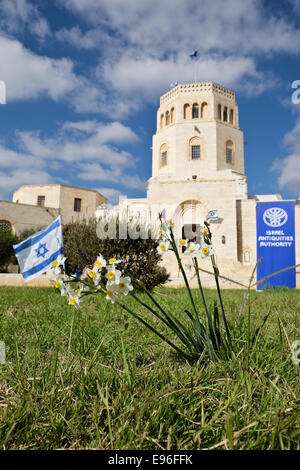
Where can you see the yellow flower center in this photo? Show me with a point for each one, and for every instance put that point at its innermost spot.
(98, 263)
(78, 291)
(54, 263)
(182, 242)
(56, 284)
(112, 260)
(160, 232)
(92, 274)
(205, 251)
(205, 231)
(191, 249)
(72, 301)
(108, 293)
(162, 246)
(110, 275)
(122, 285)
(170, 224)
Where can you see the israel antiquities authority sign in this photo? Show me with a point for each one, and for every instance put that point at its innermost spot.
(275, 223)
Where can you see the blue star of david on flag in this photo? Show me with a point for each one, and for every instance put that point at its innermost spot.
(41, 250)
(36, 253)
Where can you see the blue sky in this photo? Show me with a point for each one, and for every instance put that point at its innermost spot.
(84, 78)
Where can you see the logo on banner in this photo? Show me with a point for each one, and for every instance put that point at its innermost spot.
(275, 217)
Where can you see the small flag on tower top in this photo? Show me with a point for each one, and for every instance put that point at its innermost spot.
(193, 54)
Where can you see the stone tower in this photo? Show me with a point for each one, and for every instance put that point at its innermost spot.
(198, 136)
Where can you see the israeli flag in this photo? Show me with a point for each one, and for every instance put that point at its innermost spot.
(36, 253)
(193, 54)
(212, 215)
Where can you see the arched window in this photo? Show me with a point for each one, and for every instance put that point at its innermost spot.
(219, 112)
(163, 155)
(5, 225)
(231, 116)
(195, 148)
(223, 240)
(204, 110)
(229, 152)
(246, 256)
(161, 120)
(195, 111)
(187, 111)
(167, 118)
(225, 114)
(172, 115)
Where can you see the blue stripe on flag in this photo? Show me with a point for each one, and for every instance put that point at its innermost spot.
(33, 240)
(42, 265)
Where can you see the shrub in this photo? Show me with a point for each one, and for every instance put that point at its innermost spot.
(7, 240)
(139, 257)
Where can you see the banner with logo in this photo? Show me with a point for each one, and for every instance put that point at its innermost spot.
(275, 222)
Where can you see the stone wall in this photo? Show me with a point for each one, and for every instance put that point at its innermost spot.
(25, 216)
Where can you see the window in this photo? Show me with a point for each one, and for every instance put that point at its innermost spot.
(41, 201)
(172, 115)
(195, 152)
(223, 240)
(187, 111)
(231, 116)
(164, 158)
(195, 111)
(246, 257)
(225, 114)
(5, 225)
(77, 204)
(229, 152)
(167, 118)
(219, 112)
(161, 120)
(204, 110)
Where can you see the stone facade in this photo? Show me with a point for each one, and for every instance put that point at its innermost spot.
(23, 217)
(73, 203)
(197, 166)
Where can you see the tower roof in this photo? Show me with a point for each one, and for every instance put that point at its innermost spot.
(200, 87)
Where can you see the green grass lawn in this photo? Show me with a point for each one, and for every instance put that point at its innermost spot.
(69, 383)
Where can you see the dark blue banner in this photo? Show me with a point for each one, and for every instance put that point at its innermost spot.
(275, 223)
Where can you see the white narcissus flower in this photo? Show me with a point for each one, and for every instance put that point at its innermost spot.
(111, 293)
(100, 262)
(163, 246)
(74, 300)
(184, 242)
(57, 264)
(192, 249)
(114, 261)
(113, 274)
(124, 285)
(206, 251)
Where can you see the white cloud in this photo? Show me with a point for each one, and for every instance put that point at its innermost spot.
(96, 172)
(151, 39)
(157, 26)
(112, 195)
(85, 150)
(150, 77)
(289, 166)
(28, 75)
(16, 15)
